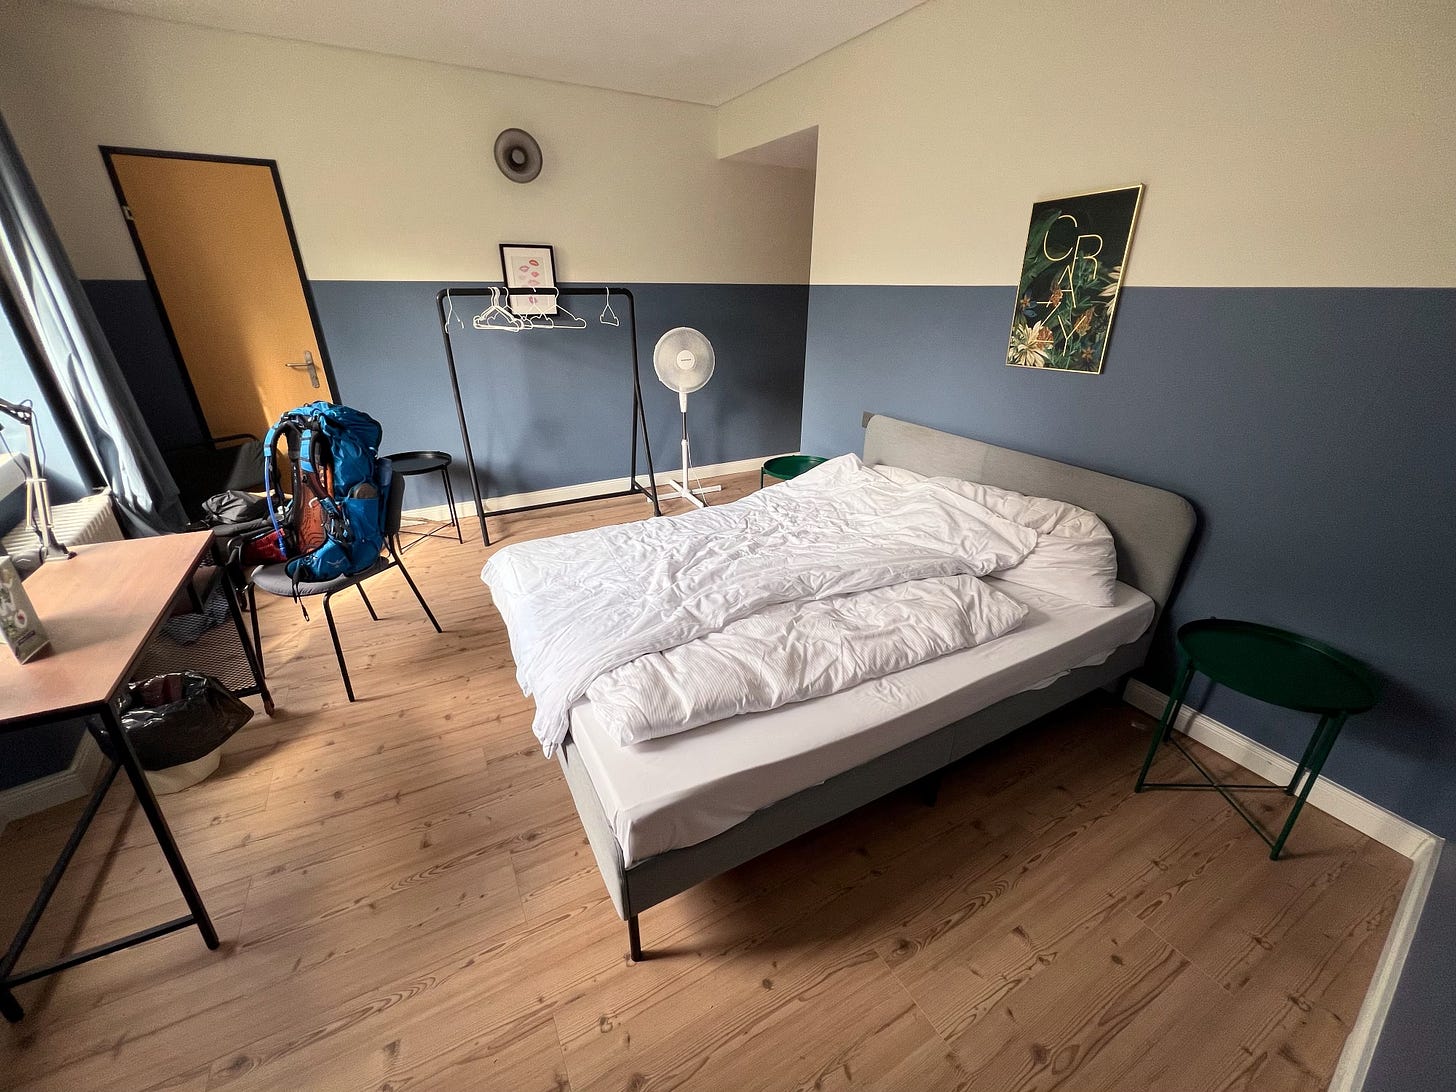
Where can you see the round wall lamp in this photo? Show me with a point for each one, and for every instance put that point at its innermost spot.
(517, 155)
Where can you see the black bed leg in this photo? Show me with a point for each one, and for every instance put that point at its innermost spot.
(930, 789)
(634, 940)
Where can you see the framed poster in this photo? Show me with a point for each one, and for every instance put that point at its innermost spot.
(1076, 251)
(529, 270)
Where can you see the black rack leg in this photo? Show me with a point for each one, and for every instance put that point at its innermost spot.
(10, 1008)
(133, 767)
(634, 940)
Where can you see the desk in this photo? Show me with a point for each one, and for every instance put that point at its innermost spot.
(101, 608)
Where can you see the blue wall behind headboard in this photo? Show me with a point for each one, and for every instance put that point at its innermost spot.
(1311, 427)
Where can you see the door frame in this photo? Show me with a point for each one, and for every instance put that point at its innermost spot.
(109, 150)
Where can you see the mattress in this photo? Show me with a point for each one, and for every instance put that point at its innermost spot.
(684, 789)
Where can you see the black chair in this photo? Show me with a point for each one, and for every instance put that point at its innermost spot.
(274, 580)
(202, 470)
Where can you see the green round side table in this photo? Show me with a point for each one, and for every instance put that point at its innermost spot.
(1274, 666)
(787, 466)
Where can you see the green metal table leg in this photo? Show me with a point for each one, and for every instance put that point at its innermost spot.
(1328, 731)
(1309, 752)
(1169, 718)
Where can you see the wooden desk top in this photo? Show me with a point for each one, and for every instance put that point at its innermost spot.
(99, 608)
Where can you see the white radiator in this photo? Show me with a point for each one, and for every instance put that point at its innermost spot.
(87, 520)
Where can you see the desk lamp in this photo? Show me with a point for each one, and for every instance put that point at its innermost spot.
(37, 492)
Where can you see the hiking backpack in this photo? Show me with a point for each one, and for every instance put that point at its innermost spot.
(333, 524)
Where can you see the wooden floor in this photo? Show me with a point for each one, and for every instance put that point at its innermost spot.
(407, 902)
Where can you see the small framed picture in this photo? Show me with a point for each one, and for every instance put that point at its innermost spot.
(529, 270)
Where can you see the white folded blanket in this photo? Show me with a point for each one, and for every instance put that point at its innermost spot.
(795, 651)
(580, 605)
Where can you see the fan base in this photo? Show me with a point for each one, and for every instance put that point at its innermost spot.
(694, 495)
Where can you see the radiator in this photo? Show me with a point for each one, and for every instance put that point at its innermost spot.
(87, 520)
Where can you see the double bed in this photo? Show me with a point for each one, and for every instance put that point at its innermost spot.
(665, 814)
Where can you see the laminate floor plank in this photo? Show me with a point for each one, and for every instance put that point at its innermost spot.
(407, 902)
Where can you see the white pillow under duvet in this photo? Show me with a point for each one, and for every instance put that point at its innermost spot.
(1075, 556)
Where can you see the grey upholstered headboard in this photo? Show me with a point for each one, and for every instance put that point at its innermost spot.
(1151, 526)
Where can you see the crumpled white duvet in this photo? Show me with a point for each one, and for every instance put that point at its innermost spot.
(796, 651)
(579, 605)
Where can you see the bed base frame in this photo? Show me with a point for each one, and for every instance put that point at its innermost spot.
(1152, 528)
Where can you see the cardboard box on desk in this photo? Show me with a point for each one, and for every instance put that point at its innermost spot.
(23, 631)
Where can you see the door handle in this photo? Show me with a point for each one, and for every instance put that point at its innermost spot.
(311, 366)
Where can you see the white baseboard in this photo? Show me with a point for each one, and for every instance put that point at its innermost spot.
(1385, 827)
(586, 489)
(46, 792)
(1360, 1044)
(1366, 816)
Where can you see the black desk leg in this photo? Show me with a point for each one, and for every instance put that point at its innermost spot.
(143, 789)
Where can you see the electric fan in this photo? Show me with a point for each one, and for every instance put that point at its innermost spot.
(683, 360)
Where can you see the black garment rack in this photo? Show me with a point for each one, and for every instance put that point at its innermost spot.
(444, 310)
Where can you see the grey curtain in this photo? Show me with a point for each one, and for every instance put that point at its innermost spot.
(56, 316)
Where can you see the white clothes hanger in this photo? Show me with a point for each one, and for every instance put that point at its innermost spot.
(608, 317)
(486, 319)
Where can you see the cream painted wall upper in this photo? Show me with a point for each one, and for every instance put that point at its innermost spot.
(1297, 143)
(386, 162)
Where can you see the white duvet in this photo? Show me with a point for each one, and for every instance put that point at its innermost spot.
(795, 651)
(659, 609)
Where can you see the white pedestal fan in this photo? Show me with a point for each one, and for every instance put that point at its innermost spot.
(683, 360)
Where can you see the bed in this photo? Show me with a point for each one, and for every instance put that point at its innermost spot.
(667, 814)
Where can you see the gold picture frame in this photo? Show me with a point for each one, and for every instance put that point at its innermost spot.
(1068, 291)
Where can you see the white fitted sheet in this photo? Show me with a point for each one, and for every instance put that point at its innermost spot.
(684, 789)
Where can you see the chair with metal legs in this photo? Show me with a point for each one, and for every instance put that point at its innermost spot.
(274, 580)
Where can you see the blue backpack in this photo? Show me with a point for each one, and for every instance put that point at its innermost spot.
(333, 524)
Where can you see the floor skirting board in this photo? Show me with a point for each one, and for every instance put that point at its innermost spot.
(46, 792)
(1401, 835)
(464, 502)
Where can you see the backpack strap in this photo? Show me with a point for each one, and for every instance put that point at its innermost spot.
(308, 470)
(270, 484)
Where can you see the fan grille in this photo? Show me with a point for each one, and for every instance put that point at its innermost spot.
(683, 360)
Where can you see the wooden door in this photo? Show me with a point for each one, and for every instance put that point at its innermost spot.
(215, 238)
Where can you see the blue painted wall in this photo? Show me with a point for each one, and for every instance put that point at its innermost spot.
(547, 408)
(1312, 428)
(553, 407)
(66, 473)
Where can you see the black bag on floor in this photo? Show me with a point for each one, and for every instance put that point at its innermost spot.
(234, 506)
(179, 717)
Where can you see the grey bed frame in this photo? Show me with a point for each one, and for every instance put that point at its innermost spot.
(1152, 528)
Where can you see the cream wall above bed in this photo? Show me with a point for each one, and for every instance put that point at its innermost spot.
(1292, 143)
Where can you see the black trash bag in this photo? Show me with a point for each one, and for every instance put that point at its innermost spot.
(179, 717)
(232, 507)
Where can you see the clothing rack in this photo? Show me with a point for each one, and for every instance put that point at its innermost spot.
(444, 305)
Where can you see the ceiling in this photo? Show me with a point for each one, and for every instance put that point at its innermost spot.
(704, 51)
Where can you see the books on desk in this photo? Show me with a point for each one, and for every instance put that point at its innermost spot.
(22, 629)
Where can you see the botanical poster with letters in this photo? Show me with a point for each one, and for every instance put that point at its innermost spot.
(1075, 255)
